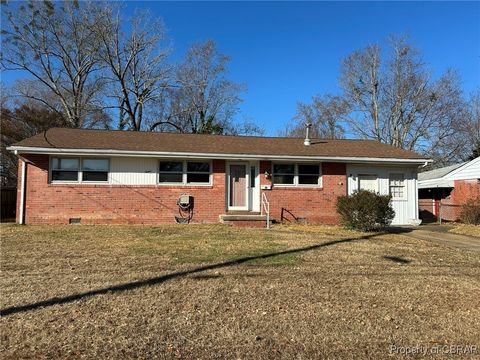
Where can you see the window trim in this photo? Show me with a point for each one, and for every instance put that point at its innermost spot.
(79, 171)
(185, 172)
(296, 175)
(405, 187)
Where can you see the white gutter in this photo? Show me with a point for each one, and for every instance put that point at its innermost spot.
(21, 214)
(129, 153)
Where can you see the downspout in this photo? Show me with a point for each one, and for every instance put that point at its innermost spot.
(417, 209)
(21, 215)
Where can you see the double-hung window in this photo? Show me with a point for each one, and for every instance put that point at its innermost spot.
(79, 169)
(184, 172)
(296, 174)
(65, 169)
(284, 174)
(171, 172)
(95, 170)
(198, 172)
(308, 174)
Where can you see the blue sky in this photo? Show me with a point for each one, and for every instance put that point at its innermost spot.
(288, 51)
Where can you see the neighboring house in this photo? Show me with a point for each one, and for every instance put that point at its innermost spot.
(446, 189)
(97, 176)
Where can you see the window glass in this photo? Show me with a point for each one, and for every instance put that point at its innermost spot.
(308, 179)
(94, 169)
(284, 174)
(283, 168)
(58, 175)
(95, 165)
(198, 178)
(198, 167)
(252, 176)
(171, 166)
(171, 172)
(67, 169)
(308, 174)
(308, 169)
(397, 185)
(65, 163)
(170, 178)
(198, 172)
(95, 176)
(283, 179)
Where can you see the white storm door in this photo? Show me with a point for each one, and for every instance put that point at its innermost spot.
(254, 187)
(237, 187)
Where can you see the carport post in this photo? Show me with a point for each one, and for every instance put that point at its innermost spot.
(440, 212)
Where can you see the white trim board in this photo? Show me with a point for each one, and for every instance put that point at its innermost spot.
(127, 153)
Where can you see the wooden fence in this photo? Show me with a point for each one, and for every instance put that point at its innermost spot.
(8, 202)
(438, 210)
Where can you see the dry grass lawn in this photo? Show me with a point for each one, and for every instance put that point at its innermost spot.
(211, 291)
(465, 229)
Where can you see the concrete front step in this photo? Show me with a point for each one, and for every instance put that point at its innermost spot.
(244, 220)
(243, 217)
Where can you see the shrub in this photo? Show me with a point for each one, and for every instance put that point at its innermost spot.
(471, 212)
(365, 210)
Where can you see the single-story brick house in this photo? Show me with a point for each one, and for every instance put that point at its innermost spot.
(99, 176)
(449, 188)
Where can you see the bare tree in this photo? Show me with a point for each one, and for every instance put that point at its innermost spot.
(203, 100)
(56, 45)
(359, 79)
(137, 70)
(19, 121)
(469, 129)
(325, 113)
(398, 102)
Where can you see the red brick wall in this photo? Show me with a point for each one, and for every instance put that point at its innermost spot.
(316, 205)
(463, 190)
(112, 204)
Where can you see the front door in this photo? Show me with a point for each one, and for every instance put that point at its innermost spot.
(238, 187)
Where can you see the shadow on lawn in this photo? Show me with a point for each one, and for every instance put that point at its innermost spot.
(160, 279)
(397, 259)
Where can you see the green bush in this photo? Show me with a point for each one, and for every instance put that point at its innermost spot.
(471, 212)
(365, 210)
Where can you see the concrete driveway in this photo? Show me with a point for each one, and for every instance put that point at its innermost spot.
(440, 235)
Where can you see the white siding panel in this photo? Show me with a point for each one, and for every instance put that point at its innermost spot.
(133, 171)
(469, 172)
(406, 209)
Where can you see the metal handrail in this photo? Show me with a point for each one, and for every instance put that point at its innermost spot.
(265, 207)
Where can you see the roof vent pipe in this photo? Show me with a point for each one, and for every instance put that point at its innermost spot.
(307, 141)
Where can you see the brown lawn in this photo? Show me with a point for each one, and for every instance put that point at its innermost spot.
(465, 229)
(211, 291)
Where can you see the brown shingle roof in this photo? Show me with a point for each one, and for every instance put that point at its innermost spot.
(65, 138)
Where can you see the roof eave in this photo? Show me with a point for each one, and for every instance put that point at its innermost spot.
(435, 183)
(129, 153)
